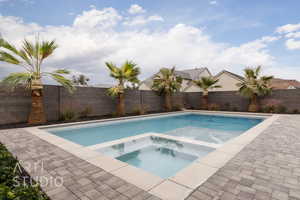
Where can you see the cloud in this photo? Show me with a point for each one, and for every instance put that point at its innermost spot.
(290, 31)
(213, 2)
(106, 18)
(141, 20)
(92, 6)
(136, 9)
(293, 35)
(95, 38)
(292, 44)
(288, 28)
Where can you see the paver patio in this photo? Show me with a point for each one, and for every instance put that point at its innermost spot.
(267, 168)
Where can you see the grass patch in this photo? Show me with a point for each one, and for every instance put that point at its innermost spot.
(12, 184)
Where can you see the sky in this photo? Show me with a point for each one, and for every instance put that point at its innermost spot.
(217, 34)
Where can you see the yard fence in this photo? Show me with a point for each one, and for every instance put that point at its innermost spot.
(15, 106)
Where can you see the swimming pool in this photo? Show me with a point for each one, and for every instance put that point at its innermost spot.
(170, 156)
(208, 128)
(178, 151)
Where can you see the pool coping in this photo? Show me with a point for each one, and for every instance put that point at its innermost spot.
(183, 182)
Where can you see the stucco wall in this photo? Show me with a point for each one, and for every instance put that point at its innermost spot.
(227, 82)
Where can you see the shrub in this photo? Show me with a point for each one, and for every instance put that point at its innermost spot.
(295, 111)
(227, 106)
(274, 109)
(234, 109)
(177, 107)
(68, 115)
(140, 110)
(213, 106)
(9, 190)
(280, 109)
(268, 109)
(86, 112)
(114, 114)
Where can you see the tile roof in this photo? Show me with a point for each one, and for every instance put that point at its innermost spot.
(189, 74)
(278, 83)
(230, 73)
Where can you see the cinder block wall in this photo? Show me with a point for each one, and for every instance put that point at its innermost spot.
(15, 106)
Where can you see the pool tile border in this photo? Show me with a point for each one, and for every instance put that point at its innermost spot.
(181, 184)
(138, 177)
(128, 139)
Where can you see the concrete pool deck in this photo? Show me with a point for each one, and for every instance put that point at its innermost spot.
(243, 176)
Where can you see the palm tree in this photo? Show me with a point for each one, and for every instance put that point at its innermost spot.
(206, 84)
(126, 74)
(166, 83)
(254, 86)
(31, 56)
(80, 80)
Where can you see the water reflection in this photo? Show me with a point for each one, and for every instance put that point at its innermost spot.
(165, 141)
(166, 151)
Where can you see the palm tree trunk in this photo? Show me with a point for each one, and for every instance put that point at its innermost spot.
(121, 105)
(204, 103)
(37, 114)
(253, 107)
(168, 102)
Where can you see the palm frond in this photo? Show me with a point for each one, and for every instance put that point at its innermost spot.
(126, 74)
(166, 81)
(115, 91)
(15, 79)
(63, 81)
(47, 48)
(8, 58)
(253, 84)
(207, 83)
(62, 71)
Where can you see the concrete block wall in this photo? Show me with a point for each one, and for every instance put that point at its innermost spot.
(15, 106)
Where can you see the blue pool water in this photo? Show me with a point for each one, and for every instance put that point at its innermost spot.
(209, 128)
(160, 156)
(167, 161)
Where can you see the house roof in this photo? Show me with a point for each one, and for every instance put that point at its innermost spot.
(195, 73)
(278, 83)
(236, 76)
(103, 85)
(189, 74)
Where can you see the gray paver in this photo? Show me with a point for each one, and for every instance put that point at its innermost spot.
(267, 168)
(81, 180)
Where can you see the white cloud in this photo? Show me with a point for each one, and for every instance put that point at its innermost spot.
(141, 20)
(106, 18)
(136, 9)
(288, 28)
(213, 2)
(94, 38)
(293, 35)
(292, 44)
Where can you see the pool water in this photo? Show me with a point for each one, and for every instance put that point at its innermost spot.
(160, 156)
(167, 161)
(210, 128)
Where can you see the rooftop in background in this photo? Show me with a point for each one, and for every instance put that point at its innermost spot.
(103, 85)
(188, 75)
(192, 74)
(278, 84)
(231, 74)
